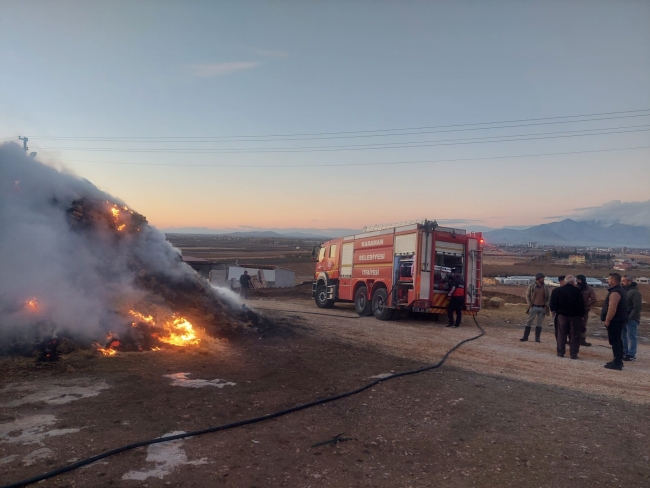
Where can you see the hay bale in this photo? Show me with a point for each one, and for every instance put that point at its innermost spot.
(496, 302)
(66, 346)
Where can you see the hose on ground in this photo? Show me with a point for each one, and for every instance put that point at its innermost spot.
(281, 413)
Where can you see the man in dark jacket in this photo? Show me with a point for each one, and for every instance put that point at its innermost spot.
(589, 296)
(244, 284)
(634, 304)
(614, 314)
(570, 308)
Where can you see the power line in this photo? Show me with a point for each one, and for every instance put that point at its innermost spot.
(448, 142)
(362, 133)
(363, 164)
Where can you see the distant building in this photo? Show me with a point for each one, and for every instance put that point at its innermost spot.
(514, 280)
(576, 259)
(261, 276)
(532, 245)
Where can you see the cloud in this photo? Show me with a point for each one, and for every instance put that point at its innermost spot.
(271, 53)
(458, 221)
(212, 70)
(631, 213)
(582, 209)
(553, 217)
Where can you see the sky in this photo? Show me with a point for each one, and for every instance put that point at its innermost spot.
(336, 114)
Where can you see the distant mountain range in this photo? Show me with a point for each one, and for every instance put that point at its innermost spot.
(564, 233)
(575, 233)
(297, 233)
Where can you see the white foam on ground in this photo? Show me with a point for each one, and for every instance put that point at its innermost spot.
(167, 456)
(37, 455)
(31, 430)
(52, 394)
(8, 459)
(181, 379)
(383, 375)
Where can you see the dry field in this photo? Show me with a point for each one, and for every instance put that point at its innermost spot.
(498, 413)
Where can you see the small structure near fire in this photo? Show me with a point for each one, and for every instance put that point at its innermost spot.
(261, 276)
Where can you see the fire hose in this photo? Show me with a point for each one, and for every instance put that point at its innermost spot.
(281, 413)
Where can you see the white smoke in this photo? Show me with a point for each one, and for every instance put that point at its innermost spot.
(81, 280)
(228, 295)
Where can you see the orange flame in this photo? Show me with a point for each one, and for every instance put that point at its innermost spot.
(121, 227)
(116, 212)
(106, 351)
(32, 304)
(180, 332)
(142, 318)
(155, 348)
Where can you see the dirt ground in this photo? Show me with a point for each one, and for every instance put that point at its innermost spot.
(498, 413)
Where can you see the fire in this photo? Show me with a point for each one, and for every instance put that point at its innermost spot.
(180, 332)
(32, 304)
(121, 227)
(106, 351)
(142, 318)
(116, 213)
(155, 348)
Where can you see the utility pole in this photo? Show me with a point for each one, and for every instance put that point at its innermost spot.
(24, 139)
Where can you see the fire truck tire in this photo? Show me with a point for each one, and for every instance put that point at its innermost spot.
(321, 297)
(362, 305)
(380, 297)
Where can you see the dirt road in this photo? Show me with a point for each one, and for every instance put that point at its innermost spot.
(493, 416)
(499, 352)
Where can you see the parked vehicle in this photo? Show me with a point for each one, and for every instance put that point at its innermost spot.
(404, 265)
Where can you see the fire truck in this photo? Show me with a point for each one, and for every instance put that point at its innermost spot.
(399, 266)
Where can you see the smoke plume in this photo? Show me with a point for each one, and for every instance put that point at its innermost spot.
(70, 267)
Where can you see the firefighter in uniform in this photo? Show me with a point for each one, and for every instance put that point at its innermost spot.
(456, 299)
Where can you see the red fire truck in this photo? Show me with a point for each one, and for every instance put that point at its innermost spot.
(404, 265)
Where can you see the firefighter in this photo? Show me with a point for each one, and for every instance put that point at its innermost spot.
(456, 299)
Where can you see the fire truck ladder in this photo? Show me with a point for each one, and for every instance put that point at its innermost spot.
(477, 279)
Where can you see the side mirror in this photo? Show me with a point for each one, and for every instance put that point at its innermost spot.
(315, 251)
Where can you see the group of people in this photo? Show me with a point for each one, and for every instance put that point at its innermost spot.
(570, 304)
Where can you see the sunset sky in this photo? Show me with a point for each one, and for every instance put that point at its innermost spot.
(330, 95)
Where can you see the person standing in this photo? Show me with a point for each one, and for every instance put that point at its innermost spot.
(553, 302)
(538, 296)
(570, 308)
(244, 284)
(614, 314)
(589, 296)
(634, 303)
(456, 296)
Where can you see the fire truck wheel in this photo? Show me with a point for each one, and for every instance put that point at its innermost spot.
(321, 297)
(378, 299)
(361, 303)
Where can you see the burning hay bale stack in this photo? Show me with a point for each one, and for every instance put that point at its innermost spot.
(87, 267)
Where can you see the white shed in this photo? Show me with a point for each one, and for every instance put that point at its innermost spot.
(262, 276)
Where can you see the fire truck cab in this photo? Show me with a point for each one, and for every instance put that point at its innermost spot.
(404, 265)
